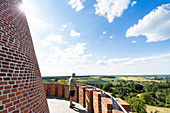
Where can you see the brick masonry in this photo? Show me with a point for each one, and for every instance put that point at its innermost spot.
(21, 87)
(76, 98)
(90, 99)
(82, 95)
(97, 101)
(106, 105)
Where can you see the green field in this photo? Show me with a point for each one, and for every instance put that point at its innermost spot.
(160, 109)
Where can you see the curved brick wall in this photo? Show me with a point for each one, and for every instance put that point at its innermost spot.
(91, 99)
(21, 87)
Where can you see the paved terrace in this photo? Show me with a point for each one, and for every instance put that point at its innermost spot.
(59, 105)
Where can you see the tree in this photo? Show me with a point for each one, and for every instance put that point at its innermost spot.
(148, 88)
(121, 96)
(168, 99)
(159, 95)
(137, 105)
(56, 79)
(138, 87)
(147, 97)
(106, 87)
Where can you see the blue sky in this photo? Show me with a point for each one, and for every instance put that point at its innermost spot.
(110, 37)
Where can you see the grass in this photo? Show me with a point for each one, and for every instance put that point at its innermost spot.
(160, 109)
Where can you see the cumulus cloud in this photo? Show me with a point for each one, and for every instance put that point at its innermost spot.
(39, 23)
(44, 43)
(72, 55)
(73, 33)
(135, 61)
(52, 38)
(133, 3)
(55, 38)
(133, 41)
(77, 4)
(155, 25)
(111, 36)
(63, 27)
(104, 32)
(101, 62)
(111, 8)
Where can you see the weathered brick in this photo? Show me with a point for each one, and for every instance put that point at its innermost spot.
(19, 70)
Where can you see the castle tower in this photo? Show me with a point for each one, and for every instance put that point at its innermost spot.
(21, 87)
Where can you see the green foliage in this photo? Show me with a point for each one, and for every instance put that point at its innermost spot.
(156, 111)
(106, 87)
(138, 87)
(146, 97)
(56, 79)
(167, 105)
(148, 88)
(137, 105)
(168, 99)
(121, 96)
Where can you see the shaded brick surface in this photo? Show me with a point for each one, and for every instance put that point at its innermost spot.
(82, 95)
(21, 87)
(106, 104)
(97, 101)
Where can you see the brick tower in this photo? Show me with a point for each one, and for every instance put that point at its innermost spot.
(21, 87)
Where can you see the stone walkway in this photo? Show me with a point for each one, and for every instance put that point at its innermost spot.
(58, 105)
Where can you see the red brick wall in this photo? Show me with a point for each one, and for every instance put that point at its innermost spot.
(116, 111)
(52, 89)
(21, 87)
(66, 91)
(97, 101)
(82, 95)
(60, 90)
(89, 99)
(75, 98)
(125, 105)
(106, 104)
(46, 88)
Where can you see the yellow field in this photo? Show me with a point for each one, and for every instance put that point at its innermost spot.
(135, 78)
(160, 109)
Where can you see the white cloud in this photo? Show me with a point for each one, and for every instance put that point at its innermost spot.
(111, 8)
(111, 37)
(101, 62)
(72, 55)
(63, 27)
(104, 56)
(104, 32)
(55, 38)
(73, 33)
(155, 25)
(135, 61)
(39, 23)
(133, 41)
(133, 3)
(51, 39)
(44, 43)
(76, 4)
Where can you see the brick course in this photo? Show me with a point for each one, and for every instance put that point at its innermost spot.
(21, 87)
(97, 101)
(89, 99)
(106, 105)
(82, 95)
